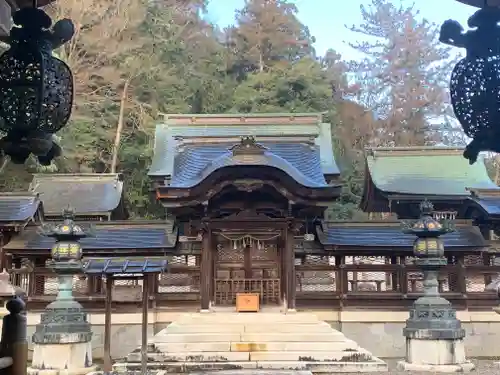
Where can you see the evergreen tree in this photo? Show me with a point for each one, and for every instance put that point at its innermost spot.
(404, 73)
(266, 32)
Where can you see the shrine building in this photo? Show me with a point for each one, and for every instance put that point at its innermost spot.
(244, 200)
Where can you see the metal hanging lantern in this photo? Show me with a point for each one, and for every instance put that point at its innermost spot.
(36, 88)
(475, 80)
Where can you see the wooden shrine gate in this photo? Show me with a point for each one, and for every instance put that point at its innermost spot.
(247, 264)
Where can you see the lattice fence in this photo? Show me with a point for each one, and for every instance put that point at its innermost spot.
(183, 276)
(314, 274)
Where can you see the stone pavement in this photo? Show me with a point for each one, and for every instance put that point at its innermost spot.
(482, 368)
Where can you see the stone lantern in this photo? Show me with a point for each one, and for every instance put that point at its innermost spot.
(62, 340)
(434, 335)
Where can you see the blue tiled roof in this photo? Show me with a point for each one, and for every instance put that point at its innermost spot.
(129, 265)
(300, 161)
(107, 236)
(17, 207)
(391, 236)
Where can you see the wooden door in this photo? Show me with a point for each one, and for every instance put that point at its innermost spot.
(246, 269)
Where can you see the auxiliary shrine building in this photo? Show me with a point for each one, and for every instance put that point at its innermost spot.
(245, 199)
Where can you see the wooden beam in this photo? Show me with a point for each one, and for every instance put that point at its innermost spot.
(299, 119)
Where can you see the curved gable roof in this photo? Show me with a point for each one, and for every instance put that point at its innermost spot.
(300, 161)
(425, 171)
(237, 125)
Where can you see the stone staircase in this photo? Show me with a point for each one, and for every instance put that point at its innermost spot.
(230, 341)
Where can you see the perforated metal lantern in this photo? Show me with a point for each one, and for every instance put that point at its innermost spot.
(428, 247)
(36, 88)
(67, 235)
(66, 250)
(475, 80)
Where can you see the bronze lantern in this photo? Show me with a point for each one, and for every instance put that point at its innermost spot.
(475, 80)
(36, 88)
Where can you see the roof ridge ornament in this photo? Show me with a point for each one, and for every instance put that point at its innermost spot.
(248, 146)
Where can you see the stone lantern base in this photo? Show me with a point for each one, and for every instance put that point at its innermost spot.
(62, 341)
(434, 338)
(497, 310)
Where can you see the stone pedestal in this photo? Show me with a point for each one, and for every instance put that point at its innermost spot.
(62, 340)
(497, 310)
(434, 338)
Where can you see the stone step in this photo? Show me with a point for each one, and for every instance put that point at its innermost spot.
(238, 318)
(324, 356)
(197, 337)
(315, 367)
(331, 336)
(294, 346)
(192, 357)
(249, 328)
(234, 341)
(250, 337)
(329, 356)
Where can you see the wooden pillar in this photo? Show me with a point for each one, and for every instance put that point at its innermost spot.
(289, 265)
(461, 276)
(108, 364)
(486, 257)
(282, 250)
(206, 269)
(395, 281)
(144, 328)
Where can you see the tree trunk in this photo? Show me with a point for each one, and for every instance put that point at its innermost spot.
(119, 127)
(4, 163)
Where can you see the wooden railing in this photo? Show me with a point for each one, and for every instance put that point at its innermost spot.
(391, 286)
(370, 286)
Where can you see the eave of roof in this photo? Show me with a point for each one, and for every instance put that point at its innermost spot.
(87, 193)
(108, 236)
(486, 201)
(425, 171)
(320, 196)
(389, 235)
(128, 265)
(18, 208)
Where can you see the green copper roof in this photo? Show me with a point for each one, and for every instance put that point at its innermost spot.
(165, 148)
(425, 171)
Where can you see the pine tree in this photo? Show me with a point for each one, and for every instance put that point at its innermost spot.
(404, 73)
(268, 31)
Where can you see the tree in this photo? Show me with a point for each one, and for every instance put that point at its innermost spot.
(268, 31)
(107, 34)
(404, 73)
(302, 87)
